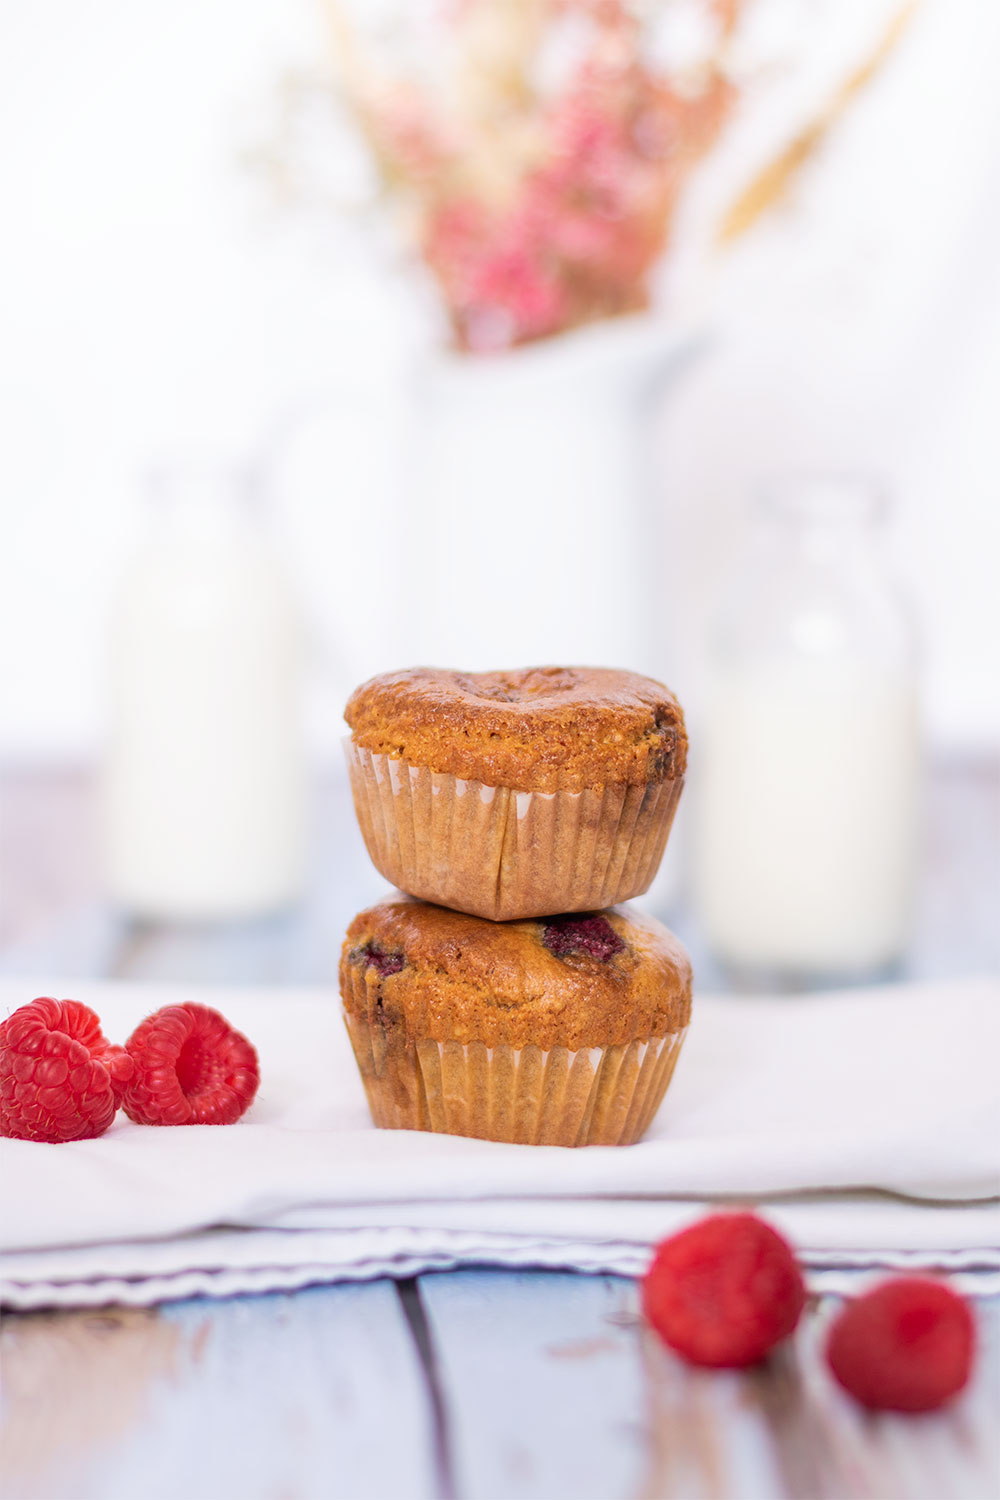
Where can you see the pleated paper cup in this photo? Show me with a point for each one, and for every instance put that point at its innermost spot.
(503, 854)
(596, 1096)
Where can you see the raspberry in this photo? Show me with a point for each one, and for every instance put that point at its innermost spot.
(724, 1291)
(60, 1078)
(906, 1346)
(191, 1068)
(594, 936)
(383, 961)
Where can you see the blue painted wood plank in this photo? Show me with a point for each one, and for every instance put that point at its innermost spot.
(553, 1388)
(951, 1454)
(318, 1395)
(82, 945)
(543, 1386)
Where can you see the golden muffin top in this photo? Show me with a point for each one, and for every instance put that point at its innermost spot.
(537, 729)
(589, 979)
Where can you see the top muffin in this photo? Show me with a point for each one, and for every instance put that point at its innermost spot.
(537, 729)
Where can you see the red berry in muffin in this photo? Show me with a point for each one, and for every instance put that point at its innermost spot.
(381, 960)
(593, 936)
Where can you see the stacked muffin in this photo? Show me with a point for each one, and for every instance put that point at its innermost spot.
(523, 1004)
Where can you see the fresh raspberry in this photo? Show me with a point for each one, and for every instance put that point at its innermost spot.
(60, 1078)
(906, 1346)
(191, 1068)
(724, 1291)
(594, 936)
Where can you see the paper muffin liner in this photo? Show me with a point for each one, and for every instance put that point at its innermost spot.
(498, 853)
(596, 1096)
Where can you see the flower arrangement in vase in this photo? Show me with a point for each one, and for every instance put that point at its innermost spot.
(542, 156)
(539, 151)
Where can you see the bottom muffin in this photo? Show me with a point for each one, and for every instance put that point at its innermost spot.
(561, 1031)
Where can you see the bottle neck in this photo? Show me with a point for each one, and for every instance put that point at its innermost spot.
(816, 587)
(825, 518)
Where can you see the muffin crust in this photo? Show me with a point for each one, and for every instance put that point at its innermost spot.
(416, 971)
(538, 729)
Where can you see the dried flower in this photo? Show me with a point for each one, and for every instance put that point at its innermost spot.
(539, 205)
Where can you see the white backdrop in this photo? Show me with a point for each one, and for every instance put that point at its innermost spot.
(153, 301)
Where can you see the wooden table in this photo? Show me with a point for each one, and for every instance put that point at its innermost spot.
(481, 1384)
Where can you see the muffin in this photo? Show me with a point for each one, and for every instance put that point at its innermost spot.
(516, 794)
(557, 1032)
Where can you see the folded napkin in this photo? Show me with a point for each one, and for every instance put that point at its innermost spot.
(867, 1122)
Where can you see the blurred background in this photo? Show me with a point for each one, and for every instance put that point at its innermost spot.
(339, 337)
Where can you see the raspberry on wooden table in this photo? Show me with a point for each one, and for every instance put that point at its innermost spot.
(191, 1068)
(60, 1077)
(724, 1291)
(908, 1345)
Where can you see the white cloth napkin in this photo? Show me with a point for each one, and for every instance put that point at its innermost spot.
(866, 1122)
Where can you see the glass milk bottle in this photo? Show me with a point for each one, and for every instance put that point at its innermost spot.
(205, 776)
(808, 762)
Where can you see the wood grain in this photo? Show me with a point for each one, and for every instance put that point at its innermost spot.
(316, 1395)
(76, 1384)
(555, 1388)
(785, 1429)
(543, 1389)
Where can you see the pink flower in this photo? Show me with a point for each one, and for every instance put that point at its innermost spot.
(502, 285)
(570, 227)
(410, 136)
(514, 295)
